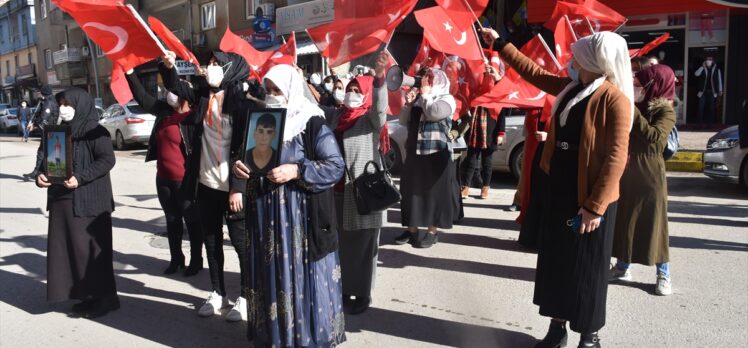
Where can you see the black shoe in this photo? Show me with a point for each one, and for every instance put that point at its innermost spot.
(83, 306)
(174, 266)
(427, 241)
(196, 265)
(360, 305)
(589, 341)
(102, 306)
(513, 207)
(555, 338)
(347, 300)
(405, 237)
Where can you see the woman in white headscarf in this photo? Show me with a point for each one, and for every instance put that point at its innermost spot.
(585, 156)
(295, 297)
(428, 184)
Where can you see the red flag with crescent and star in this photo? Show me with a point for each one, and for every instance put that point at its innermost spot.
(449, 32)
(564, 36)
(171, 41)
(235, 44)
(586, 17)
(123, 37)
(286, 54)
(359, 28)
(426, 57)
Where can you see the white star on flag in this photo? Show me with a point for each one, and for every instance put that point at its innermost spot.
(461, 80)
(513, 95)
(447, 27)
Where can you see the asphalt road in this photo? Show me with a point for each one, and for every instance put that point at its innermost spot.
(473, 289)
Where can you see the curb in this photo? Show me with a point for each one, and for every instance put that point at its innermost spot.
(686, 161)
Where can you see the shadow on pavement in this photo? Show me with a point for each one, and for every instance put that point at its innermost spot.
(707, 221)
(707, 209)
(646, 287)
(393, 216)
(703, 186)
(436, 331)
(6, 210)
(11, 176)
(389, 234)
(698, 243)
(391, 258)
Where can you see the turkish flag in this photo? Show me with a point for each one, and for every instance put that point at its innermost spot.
(119, 86)
(537, 50)
(511, 91)
(564, 36)
(235, 44)
(588, 17)
(495, 61)
(448, 35)
(286, 54)
(465, 6)
(114, 27)
(171, 40)
(649, 46)
(427, 57)
(359, 29)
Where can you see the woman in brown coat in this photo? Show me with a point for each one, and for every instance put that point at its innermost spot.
(584, 156)
(641, 234)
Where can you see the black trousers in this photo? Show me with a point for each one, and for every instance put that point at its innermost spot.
(477, 159)
(213, 206)
(176, 209)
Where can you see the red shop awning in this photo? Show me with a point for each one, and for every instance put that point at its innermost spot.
(539, 11)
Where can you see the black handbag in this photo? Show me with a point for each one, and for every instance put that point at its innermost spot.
(374, 191)
(673, 142)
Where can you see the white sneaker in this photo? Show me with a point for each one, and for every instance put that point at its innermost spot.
(664, 287)
(213, 305)
(238, 312)
(616, 274)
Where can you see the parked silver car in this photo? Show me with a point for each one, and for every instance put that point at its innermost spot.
(128, 124)
(8, 119)
(507, 158)
(724, 160)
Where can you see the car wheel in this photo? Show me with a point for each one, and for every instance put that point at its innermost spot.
(3, 128)
(394, 159)
(515, 160)
(119, 141)
(744, 172)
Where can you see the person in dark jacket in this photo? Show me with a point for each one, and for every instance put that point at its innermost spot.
(79, 255)
(46, 113)
(220, 120)
(24, 116)
(169, 145)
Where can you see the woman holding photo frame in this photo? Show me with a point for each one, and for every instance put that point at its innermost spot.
(294, 294)
(79, 254)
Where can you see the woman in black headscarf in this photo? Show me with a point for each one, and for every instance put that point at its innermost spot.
(79, 251)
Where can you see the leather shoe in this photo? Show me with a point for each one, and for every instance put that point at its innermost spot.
(360, 305)
(196, 265)
(589, 341)
(555, 338)
(405, 237)
(174, 266)
(83, 306)
(427, 240)
(102, 306)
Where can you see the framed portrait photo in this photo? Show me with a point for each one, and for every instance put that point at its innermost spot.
(263, 139)
(58, 153)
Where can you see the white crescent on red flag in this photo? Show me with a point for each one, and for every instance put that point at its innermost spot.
(286, 54)
(449, 33)
(587, 17)
(113, 26)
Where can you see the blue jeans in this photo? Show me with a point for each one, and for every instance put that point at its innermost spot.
(707, 106)
(663, 268)
(25, 130)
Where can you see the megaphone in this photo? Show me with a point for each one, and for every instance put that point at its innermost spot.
(396, 79)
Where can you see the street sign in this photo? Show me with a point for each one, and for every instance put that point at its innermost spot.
(184, 68)
(302, 16)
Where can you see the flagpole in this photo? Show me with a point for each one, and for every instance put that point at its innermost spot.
(472, 13)
(589, 24)
(480, 48)
(550, 53)
(568, 23)
(147, 28)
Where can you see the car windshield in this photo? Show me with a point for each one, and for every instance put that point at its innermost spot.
(136, 109)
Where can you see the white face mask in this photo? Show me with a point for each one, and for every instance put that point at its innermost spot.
(215, 75)
(172, 100)
(328, 87)
(353, 99)
(276, 101)
(709, 63)
(66, 113)
(339, 95)
(315, 79)
(23, 105)
(638, 94)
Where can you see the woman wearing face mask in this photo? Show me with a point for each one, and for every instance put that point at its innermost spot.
(79, 253)
(170, 145)
(584, 156)
(641, 234)
(361, 131)
(219, 128)
(428, 184)
(296, 295)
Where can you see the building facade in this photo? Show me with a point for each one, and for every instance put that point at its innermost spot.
(18, 53)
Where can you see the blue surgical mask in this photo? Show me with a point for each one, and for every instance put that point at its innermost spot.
(573, 73)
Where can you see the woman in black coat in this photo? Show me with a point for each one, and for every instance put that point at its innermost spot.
(79, 251)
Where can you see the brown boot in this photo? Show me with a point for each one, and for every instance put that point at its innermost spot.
(484, 192)
(465, 192)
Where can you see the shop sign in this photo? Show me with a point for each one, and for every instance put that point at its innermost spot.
(184, 68)
(305, 15)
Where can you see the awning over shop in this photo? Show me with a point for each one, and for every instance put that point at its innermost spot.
(306, 47)
(539, 11)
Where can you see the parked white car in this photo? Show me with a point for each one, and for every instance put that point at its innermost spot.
(128, 124)
(8, 119)
(507, 158)
(724, 160)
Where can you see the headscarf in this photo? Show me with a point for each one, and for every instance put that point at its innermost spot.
(184, 91)
(660, 83)
(46, 90)
(603, 53)
(300, 109)
(351, 115)
(235, 68)
(86, 118)
(439, 91)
